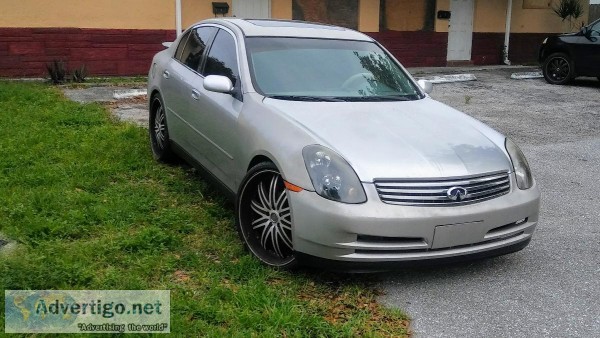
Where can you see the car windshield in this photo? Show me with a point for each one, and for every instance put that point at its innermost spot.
(306, 69)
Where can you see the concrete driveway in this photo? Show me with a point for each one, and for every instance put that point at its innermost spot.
(552, 287)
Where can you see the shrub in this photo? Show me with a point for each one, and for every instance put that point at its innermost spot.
(568, 10)
(79, 74)
(57, 71)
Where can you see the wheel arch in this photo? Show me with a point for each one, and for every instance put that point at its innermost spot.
(558, 49)
(259, 159)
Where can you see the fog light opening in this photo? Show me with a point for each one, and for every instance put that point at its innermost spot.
(521, 221)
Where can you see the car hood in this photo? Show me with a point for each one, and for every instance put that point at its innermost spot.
(407, 139)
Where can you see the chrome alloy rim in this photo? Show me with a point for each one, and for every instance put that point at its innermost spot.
(266, 218)
(558, 68)
(273, 219)
(159, 127)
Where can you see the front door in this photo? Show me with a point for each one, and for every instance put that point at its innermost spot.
(252, 9)
(215, 115)
(460, 32)
(587, 52)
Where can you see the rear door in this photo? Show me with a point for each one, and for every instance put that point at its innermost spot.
(171, 85)
(183, 71)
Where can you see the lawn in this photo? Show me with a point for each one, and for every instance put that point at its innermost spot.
(90, 209)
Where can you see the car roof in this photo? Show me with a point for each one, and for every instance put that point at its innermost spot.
(290, 28)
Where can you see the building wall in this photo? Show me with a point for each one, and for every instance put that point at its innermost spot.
(594, 13)
(405, 15)
(111, 14)
(281, 9)
(528, 16)
(24, 52)
(119, 37)
(109, 37)
(368, 16)
(114, 14)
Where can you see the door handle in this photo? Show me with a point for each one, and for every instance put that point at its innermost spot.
(195, 94)
(166, 74)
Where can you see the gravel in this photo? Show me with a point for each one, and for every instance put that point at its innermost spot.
(552, 287)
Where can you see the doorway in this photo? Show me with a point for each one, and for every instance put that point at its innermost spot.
(252, 9)
(460, 32)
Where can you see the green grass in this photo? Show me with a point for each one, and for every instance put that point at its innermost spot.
(90, 209)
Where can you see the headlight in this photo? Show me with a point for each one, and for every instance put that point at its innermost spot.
(332, 176)
(522, 171)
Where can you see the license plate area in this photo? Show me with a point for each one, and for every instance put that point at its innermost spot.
(458, 234)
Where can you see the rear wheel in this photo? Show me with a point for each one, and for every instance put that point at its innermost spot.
(264, 216)
(159, 134)
(558, 69)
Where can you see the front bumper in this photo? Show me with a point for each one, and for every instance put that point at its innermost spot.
(376, 232)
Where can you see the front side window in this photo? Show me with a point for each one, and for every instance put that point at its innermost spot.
(301, 68)
(191, 54)
(222, 58)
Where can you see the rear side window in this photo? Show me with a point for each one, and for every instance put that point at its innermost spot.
(191, 55)
(182, 43)
(222, 58)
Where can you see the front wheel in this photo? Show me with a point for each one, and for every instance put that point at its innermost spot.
(264, 217)
(558, 69)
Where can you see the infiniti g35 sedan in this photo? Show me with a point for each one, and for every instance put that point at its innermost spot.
(333, 153)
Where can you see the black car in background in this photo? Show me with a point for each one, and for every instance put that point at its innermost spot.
(564, 57)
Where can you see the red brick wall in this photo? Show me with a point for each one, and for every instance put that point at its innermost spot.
(428, 49)
(523, 48)
(415, 49)
(24, 52)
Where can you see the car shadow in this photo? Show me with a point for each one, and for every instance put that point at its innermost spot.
(417, 275)
(588, 82)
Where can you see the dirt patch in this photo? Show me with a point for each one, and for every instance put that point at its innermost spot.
(132, 109)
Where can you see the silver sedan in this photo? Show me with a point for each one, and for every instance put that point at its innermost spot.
(333, 153)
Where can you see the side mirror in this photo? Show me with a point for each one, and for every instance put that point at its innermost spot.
(218, 84)
(426, 86)
(585, 31)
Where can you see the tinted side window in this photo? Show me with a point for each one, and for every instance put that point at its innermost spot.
(595, 29)
(182, 42)
(222, 58)
(193, 50)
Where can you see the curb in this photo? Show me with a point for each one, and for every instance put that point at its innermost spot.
(449, 78)
(128, 93)
(526, 75)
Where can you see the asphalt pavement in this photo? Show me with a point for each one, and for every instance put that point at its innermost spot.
(552, 287)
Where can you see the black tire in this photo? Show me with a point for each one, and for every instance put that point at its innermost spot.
(158, 131)
(558, 69)
(264, 217)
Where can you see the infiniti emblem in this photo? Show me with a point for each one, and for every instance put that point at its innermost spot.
(457, 193)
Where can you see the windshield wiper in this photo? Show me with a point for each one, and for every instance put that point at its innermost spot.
(307, 98)
(376, 98)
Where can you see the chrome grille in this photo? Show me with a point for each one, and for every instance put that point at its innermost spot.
(434, 191)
